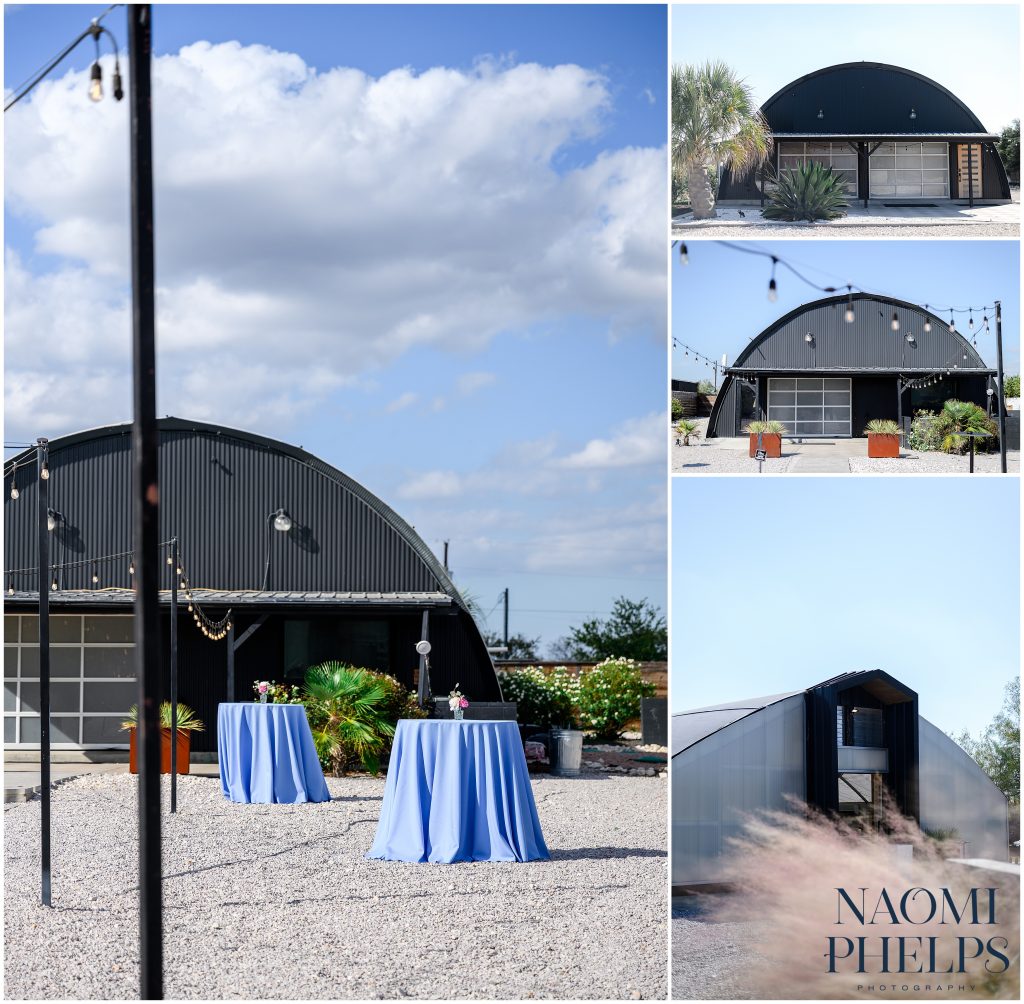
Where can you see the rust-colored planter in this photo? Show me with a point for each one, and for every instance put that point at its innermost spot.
(184, 748)
(771, 443)
(883, 445)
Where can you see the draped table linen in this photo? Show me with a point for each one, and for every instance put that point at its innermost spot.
(266, 754)
(458, 791)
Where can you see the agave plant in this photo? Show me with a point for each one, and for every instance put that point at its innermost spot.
(771, 428)
(685, 429)
(188, 720)
(959, 417)
(347, 712)
(811, 192)
(882, 427)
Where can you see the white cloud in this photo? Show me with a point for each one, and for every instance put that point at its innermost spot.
(469, 383)
(432, 485)
(403, 401)
(327, 220)
(637, 442)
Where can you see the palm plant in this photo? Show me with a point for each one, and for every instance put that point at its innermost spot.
(810, 192)
(714, 121)
(882, 427)
(771, 428)
(959, 417)
(347, 711)
(188, 720)
(684, 430)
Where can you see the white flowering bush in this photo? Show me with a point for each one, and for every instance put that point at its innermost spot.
(544, 698)
(609, 697)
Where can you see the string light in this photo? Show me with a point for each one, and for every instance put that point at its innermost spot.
(850, 316)
(773, 291)
(14, 488)
(95, 573)
(10, 585)
(684, 257)
(927, 324)
(44, 472)
(131, 566)
(952, 322)
(895, 323)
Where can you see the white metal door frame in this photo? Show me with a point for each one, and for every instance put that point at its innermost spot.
(812, 407)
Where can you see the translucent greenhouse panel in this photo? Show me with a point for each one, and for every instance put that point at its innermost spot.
(957, 795)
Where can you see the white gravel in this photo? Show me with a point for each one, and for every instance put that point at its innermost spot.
(936, 463)
(276, 901)
(706, 459)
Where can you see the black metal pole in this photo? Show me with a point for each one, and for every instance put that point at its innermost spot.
(970, 175)
(506, 622)
(423, 690)
(972, 455)
(231, 664)
(174, 674)
(44, 667)
(145, 497)
(1000, 402)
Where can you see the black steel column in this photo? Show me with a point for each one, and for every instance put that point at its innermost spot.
(423, 691)
(1000, 404)
(231, 663)
(174, 674)
(506, 622)
(970, 175)
(44, 667)
(146, 500)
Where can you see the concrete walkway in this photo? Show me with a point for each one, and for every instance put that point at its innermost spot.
(21, 779)
(832, 457)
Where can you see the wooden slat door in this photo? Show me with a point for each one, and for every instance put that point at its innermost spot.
(965, 181)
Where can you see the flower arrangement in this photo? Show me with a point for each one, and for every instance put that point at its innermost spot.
(457, 702)
(262, 687)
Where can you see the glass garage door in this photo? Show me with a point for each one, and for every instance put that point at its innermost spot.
(92, 674)
(839, 156)
(910, 170)
(811, 406)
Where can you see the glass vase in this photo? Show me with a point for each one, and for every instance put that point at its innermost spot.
(263, 698)
(458, 714)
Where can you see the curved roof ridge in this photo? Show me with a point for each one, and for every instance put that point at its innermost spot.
(882, 66)
(173, 424)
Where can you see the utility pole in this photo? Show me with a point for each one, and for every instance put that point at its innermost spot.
(999, 371)
(446, 556)
(42, 477)
(506, 622)
(175, 564)
(145, 501)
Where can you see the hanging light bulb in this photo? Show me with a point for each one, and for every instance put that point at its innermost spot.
(96, 82)
(118, 86)
(850, 317)
(14, 489)
(53, 585)
(773, 291)
(895, 323)
(970, 321)
(10, 585)
(51, 520)
(684, 258)
(44, 472)
(95, 574)
(131, 566)
(927, 325)
(952, 323)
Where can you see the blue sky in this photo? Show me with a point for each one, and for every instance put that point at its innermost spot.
(972, 50)
(779, 584)
(425, 243)
(719, 299)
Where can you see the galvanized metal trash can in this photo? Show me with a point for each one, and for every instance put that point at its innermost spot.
(566, 752)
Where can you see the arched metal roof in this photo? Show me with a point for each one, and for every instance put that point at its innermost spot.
(866, 98)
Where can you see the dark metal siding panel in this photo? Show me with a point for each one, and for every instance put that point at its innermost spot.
(873, 397)
(868, 343)
(866, 98)
(994, 182)
(723, 414)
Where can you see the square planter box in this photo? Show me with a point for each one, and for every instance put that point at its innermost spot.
(184, 748)
(771, 443)
(880, 445)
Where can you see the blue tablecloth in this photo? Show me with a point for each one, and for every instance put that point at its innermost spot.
(458, 791)
(266, 754)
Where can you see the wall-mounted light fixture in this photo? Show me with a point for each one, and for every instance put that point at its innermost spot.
(53, 518)
(821, 114)
(809, 338)
(913, 114)
(282, 521)
(910, 337)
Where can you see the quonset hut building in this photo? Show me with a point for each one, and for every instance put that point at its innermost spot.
(318, 566)
(830, 366)
(836, 747)
(890, 133)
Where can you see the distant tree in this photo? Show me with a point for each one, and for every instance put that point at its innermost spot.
(635, 629)
(706, 387)
(519, 647)
(997, 749)
(1009, 147)
(1013, 385)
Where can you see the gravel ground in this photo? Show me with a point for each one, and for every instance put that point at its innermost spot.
(706, 459)
(817, 232)
(710, 960)
(277, 901)
(935, 463)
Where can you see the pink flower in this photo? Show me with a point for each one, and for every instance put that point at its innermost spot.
(463, 703)
(264, 687)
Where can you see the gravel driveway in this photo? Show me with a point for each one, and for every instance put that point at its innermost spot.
(277, 901)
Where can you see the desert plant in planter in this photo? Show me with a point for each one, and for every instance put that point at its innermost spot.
(188, 722)
(883, 438)
(807, 193)
(684, 430)
(771, 434)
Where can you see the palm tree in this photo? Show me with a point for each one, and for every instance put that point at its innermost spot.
(714, 121)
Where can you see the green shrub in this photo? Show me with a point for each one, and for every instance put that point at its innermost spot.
(188, 720)
(706, 387)
(544, 698)
(809, 192)
(1012, 385)
(882, 427)
(685, 429)
(677, 409)
(963, 416)
(771, 428)
(610, 697)
(924, 432)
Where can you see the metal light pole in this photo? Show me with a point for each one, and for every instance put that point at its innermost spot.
(174, 674)
(1001, 402)
(146, 500)
(42, 476)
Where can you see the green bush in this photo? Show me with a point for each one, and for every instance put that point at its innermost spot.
(610, 697)
(924, 432)
(963, 416)
(544, 698)
(706, 387)
(809, 192)
(1012, 385)
(685, 429)
(677, 409)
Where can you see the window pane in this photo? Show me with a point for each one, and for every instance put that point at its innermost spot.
(9, 727)
(117, 662)
(65, 662)
(10, 660)
(781, 414)
(64, 730)
(931, 189)
(809, 383)
(29, 629)
(791, 148)
(806, 398)
(29, 662)
(807, 429)
(103, 730)
(11, 627)
(808, 414)
(63, 697)
(64, 628)
(117, 697)
(837, 414)
(10, 695)
(935, 148)
(783, 398)
(837, 384)
(109, 629)
(837, 428)
(30, 730)
(837, 397)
